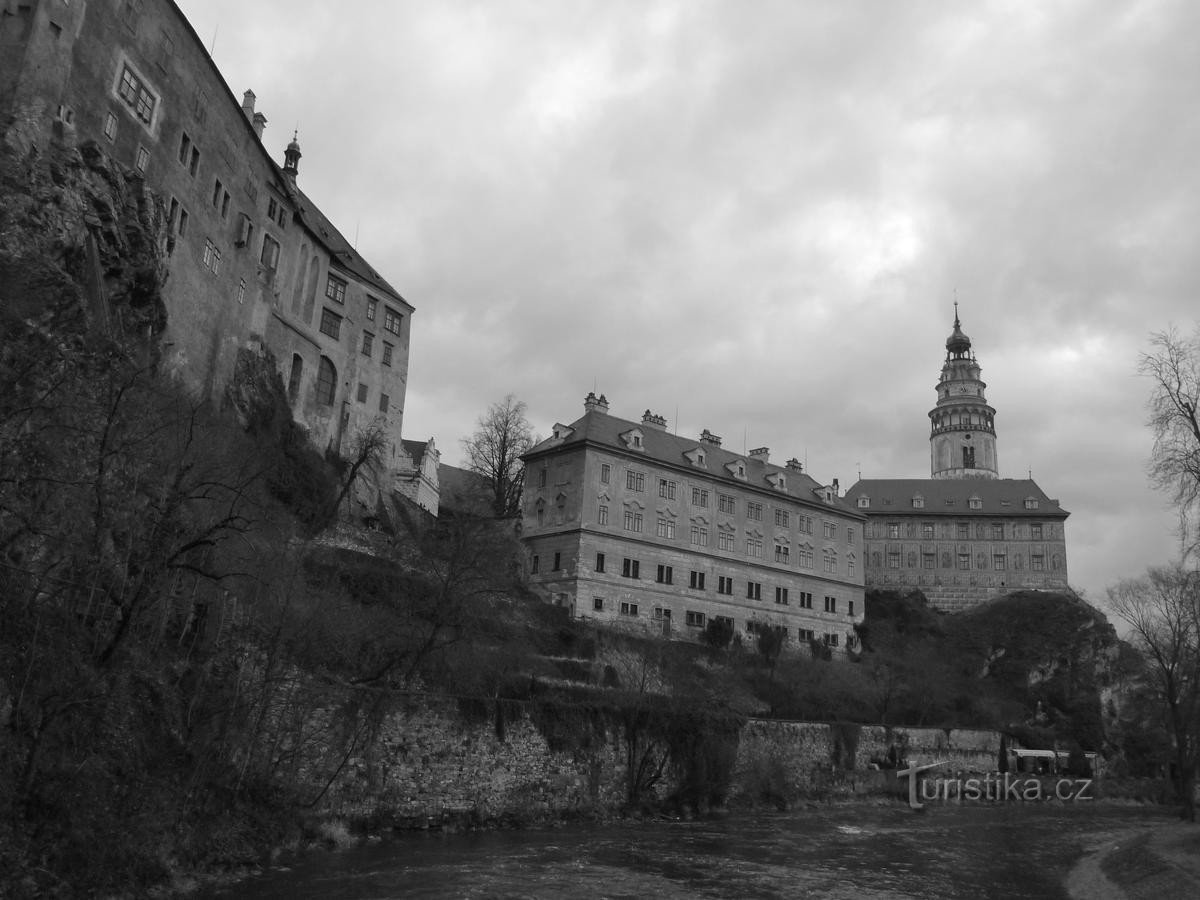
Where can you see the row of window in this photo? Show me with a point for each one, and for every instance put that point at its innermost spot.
(962, 531)
(327, 384)
(974, 502)
(1000, 561)
(696, 619)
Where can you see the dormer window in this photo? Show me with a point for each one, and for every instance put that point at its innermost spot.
(737, 469)
(696, 456)
(634, 439)
(778, 481)
(975, 503)
(1031, 503)
(864, 502)
(918, 502)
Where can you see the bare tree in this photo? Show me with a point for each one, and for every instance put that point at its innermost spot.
(1162, 610)
(366, 451)
(494, 451)
(1173, 365)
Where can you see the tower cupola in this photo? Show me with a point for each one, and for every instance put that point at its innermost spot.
(962, 438)
(291, 156)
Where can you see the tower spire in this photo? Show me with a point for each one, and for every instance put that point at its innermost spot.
(962, 437)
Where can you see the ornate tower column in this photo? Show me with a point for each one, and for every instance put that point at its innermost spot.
(962, 438)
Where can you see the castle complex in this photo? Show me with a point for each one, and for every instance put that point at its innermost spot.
(625, 522)
(965, 534)
(252, 262)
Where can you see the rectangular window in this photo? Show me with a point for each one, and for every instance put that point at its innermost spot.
(599, 562)
(362, 393)
(927, 531)
(724, 585)
(635, 481)
(335, 288)
(331, 323)
(630, 567)
(997, 531)
(212, 257)
(217, 189)
(665, 575)
(666, 528)
(598, 604)
(893, 560)
(830, 564)
(694, 619)
(893, 530)
(753, 590)
(806, 600)
(850, 568)
(387, 353)
(781, 596)
(1035, 531)
(391, 320)
(830, 529)
(633, 521)
(782, 518)
(806, 634)
(535, 565)
(372, 305)
(666, 489)
(628, 609)
(725, 540)
(962, 531)
(272, 209)
(605, 473)
(696, 580)
(142, 159)
(753, 511)
(662, 614)
(1037, 562)
(194, 165)
(726, 504)
(806, 524)
(136, 95)
(831, 640)
(602, 516)
(183, 221)
(185, 148)
(850, 608)
(928, 560)
(831, 604)
(368, 343)
(782, 553)
(270, 252)
(754, 548)
(699, 536)
(999, 561)
(110, 127)
(964, 560)
(241, 290)
(805, 558)
(384, 402)
(700, 497)
(849, 535)
(557, 562)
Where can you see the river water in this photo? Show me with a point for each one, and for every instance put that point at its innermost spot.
(1004, 851)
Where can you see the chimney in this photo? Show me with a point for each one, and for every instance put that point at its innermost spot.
(762, 454)
(592, 403)
(795, 465)
(260, 122)
(836, 489)
(707, 437)
(653, 421)
(248, 99)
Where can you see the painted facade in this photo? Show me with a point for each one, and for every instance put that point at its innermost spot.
(626, 523)
(252, 262)
(965, 534)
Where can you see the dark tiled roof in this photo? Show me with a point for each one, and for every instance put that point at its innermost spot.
(344, 256)
(664, 447)
(951, 496)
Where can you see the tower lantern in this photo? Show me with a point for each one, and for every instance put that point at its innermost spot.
(962, 437)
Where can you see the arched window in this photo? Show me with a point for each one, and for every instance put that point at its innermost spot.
(326, 382)
(294, 378)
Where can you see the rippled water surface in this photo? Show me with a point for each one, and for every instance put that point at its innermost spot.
(868, 852)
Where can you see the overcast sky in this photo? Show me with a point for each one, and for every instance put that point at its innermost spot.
(754, 217)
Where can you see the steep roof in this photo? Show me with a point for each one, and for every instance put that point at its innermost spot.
(952, 496)
(658, 445)
(415, 450)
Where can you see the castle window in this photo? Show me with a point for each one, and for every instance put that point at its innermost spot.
(1031, 503)
(368, 343)
(598, 604)
(183, 222)
(782, 553)
(372, 305)
(633, 521)
(893, 529)
(962, 530)
(997, 531)
(918, 502)
(294, 378)
(605, 473)
(831, 640)
(725, 540)
(599, 562)
(602, 515)
(830, 529)
(635, 481)
(753, 590)
(831, 604)
(700, 497)
(864, 502)
(927, 531)
(136, 95)
(754, 511)
(999, 561)
(241, 295)
(754, 548)
(326, 382)
(387, 354)
(806, 600)
(1037, 562)
(928, 560)
(726, 504)
(335, 288)
(270, 252)
(694, 619)
(696, 580)
(665, 575)
(968, 457)
(1035, 531)
(331, 323)
(699, 536)
(893, 560)
(975, 503)
(806, 634)
(142, 159)
(362, 393)
(212, 257)
(630, 567)
(628, 609)
(391, 320)
(724, 585)
(384, 403)
(666, 528)
(783, 518)
(110, 127)
(666, 489)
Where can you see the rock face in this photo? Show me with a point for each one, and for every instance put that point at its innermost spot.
(82, 244)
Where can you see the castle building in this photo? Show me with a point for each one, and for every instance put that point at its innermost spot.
(965, 534)
(252, 262)
(625, 522)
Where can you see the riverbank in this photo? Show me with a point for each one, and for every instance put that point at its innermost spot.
(1157, 864)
